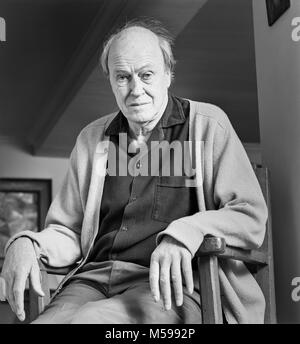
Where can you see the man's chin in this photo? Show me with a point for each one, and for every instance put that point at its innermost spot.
(140, 117)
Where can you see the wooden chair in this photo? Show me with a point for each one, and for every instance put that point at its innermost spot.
(259, 262)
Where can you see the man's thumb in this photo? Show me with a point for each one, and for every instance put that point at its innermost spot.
(35, 280)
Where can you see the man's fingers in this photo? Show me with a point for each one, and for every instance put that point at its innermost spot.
(154, 278)
(10, 296)
(165, 287)
(35, 279)
(187, 271)
(18, 293)
(177, 281)
(2, 289)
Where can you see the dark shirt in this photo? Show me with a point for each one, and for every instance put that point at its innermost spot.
(134, 209)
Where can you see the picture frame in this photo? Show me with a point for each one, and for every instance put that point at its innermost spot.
(24, 204)
(275, 9)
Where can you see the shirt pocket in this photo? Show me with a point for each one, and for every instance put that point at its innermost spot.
(173, 199)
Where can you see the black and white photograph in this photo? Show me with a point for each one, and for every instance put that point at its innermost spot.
(149, 165)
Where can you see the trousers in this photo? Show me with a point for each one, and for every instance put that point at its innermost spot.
(116, 293)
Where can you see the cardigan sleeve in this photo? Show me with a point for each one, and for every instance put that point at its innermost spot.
(239, 211)
(58, 244)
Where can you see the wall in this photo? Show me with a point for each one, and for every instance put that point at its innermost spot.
(216, 63)
(15, 162)
(278, 80)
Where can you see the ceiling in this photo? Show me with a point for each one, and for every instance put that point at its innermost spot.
(41, 38)
(51, 85)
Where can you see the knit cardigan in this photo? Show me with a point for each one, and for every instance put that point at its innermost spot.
(231, 206)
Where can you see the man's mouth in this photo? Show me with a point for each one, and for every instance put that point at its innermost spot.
(138, 104)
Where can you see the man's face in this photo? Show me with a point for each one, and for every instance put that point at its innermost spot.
(137, 74)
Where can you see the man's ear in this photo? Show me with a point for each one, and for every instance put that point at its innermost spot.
(169, 75)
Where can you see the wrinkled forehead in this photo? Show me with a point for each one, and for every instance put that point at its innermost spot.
(135, 45)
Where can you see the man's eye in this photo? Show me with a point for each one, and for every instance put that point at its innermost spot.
(147, 76)
(122, 78)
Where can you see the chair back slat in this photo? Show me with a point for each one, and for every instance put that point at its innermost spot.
(265, 275)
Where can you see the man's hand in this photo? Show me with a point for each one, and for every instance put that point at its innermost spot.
(172, 260)
(20, 262)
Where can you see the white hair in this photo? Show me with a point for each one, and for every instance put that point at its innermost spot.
(164, 37)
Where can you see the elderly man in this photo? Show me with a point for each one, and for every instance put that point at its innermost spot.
(134, 235)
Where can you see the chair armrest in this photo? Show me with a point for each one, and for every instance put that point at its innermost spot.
(217, 247)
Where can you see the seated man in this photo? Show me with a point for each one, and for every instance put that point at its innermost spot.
(134, 231)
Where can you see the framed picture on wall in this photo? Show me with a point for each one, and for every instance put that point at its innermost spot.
(275, 9)
(23, 206)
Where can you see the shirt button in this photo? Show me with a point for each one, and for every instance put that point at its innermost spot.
(138, 164)
(124, 228)
(132, 199)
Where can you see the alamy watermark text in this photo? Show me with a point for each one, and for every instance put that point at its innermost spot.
(296, 31)
(158, 158)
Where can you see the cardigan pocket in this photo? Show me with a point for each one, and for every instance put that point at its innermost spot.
(173, 199)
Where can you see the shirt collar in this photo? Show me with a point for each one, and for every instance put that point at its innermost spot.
(118, 125)
(172, 115)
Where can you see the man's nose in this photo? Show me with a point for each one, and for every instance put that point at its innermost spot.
(136, 86)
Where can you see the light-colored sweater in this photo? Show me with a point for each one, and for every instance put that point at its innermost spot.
(231, 205)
